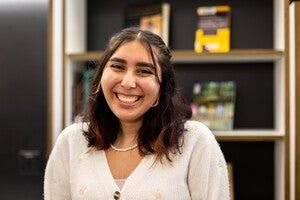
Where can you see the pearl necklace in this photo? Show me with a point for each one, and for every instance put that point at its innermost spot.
(124, 149)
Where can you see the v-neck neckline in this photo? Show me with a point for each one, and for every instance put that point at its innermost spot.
(141, 168)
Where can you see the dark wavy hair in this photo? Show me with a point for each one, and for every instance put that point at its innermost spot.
(163, 126)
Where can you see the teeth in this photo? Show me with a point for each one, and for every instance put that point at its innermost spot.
(127, 99)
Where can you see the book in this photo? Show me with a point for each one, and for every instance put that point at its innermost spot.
(77, 95)
(81, 89)
(213, 29)
(214, 104)
(154, 17)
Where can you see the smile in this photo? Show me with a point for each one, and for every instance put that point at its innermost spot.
(127, 98)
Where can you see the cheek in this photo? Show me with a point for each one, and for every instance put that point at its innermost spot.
(106, 78)
(152, 88)
(105, 83)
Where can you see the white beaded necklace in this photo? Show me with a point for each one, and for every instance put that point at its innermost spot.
(124, 149)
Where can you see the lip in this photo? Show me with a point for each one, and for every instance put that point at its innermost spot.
(127, 98)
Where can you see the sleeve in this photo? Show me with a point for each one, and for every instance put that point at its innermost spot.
(208, 175)
(56, 179)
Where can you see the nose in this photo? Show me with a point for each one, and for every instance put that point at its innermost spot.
(128, 81)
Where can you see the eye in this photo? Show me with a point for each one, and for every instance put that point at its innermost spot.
(145, 71)
(117, 67)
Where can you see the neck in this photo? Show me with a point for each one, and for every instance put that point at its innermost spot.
(128, 135)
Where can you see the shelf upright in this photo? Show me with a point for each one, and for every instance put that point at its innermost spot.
(75, 42)
(69, 54)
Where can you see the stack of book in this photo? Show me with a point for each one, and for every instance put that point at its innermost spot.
(214, 103)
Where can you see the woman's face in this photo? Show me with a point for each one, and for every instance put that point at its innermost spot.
(129, 83)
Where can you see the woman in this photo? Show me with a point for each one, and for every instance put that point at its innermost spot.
(137, 141)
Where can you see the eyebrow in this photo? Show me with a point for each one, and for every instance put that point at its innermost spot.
(139, 64)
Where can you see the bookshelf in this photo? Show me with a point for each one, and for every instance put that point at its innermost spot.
(294, 55)
(252, 54)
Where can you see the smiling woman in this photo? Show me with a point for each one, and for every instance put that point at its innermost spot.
(129, 83)
(136, 140)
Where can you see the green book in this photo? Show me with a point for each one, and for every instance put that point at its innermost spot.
(214, 104)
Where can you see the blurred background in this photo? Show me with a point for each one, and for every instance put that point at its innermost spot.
(23, 98)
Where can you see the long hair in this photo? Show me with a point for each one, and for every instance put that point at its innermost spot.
(163, 126)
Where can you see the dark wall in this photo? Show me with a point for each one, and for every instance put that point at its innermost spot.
(23, 98)
(251, 22)
(251, 28)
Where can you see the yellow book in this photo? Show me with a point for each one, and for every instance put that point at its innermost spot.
(213, 29)
(154, 17)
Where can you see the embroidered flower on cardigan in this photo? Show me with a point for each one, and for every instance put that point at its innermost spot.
(191, 129)
(170, 163)
(155, 195)
(53, 180)
(81, 158)
(82, 189)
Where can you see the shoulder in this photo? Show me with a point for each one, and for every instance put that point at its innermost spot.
(198, 137)
(197, 130)
(72, 135)
(73, 129)
(200, 142)
(206, 165)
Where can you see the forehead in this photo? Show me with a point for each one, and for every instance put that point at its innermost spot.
(135, 48)
(132, 46)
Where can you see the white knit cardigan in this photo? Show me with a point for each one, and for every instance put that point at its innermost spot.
(198, 173)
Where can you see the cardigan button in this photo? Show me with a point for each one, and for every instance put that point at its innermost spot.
(117, 195)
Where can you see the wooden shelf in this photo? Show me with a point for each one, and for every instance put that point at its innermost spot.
(189, 56)
(249, 138)
(244, 55)
(91, 55)
(257, 50)
(249, 135)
